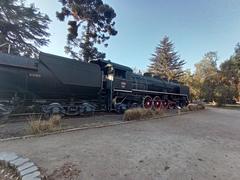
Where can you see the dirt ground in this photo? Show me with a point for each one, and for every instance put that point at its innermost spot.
(17, 127)
(203, 145)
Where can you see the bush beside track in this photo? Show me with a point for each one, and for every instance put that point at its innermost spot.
(193, 107)
(140, 113)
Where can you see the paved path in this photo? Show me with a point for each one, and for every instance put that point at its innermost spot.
(204, 145)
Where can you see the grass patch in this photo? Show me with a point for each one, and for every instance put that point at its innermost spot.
(193, 107)
(140, 113)
(184, 109)
(39, 126)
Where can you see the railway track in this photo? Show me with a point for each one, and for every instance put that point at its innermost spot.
(24, 117)
(14, 118)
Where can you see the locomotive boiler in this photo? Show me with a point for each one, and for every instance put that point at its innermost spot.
(61, 85)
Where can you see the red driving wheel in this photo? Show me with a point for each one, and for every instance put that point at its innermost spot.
(147, 102)
(165, 104)
(157, 103)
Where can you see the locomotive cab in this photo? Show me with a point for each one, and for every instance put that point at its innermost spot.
(117, 84)
(119, 75)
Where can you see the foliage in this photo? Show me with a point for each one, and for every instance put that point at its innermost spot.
(24, 28)
(206, 75)
(223, 94)
(165, 62)
(188, 79)
(213, 84)
(208, 65)
(94, 19)
(141, 113)
(208, 87)
(230, 75)
(38, 126)
(231, 71)
(194, 107)
(237, 57)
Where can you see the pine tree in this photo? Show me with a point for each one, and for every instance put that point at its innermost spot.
(166, 63)
(24, 28)
(94, 20)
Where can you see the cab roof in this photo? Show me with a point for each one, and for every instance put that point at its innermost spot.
(115, 65)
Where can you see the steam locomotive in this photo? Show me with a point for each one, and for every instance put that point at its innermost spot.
(56, 84)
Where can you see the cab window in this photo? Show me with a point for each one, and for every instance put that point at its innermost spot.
(120, 74)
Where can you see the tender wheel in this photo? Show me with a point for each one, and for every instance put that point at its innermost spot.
(4, 110)
(157, 103)
(4, 113)
(53, 109)
(147, 102)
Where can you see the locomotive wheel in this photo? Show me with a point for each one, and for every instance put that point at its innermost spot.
(172, 105)
(147, 102)
(157, 103)
(134, 105)
(4, 113)
(165, 104)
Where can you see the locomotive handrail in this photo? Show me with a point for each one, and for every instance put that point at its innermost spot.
(159, 92)
(121, 90)
(18, 67)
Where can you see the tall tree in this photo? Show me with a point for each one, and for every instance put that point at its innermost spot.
(230, 69)
(237, 57)
(230, 72)
(206, 75)
(166, 62)
(237, 62)
(23, 27)
(95, 20)
(189, 80)
(208, 65)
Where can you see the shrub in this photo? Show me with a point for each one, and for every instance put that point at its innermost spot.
(200, 106)
(38, 126)
(195, 107)
(140, 113)
(55, 120)
(185, 109)
(132, 114)
(159, 112)
(223, 93)
(192, 107)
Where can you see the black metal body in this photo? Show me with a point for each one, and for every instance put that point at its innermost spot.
(68, 84)
(50, 77)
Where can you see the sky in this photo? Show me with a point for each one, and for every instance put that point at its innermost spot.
(195, 28)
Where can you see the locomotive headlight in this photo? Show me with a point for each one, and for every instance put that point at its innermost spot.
(110, 77)
(110, 72)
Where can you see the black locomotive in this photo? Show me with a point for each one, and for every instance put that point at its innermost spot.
(61, 85)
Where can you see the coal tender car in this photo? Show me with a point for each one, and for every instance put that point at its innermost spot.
(53, 84)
